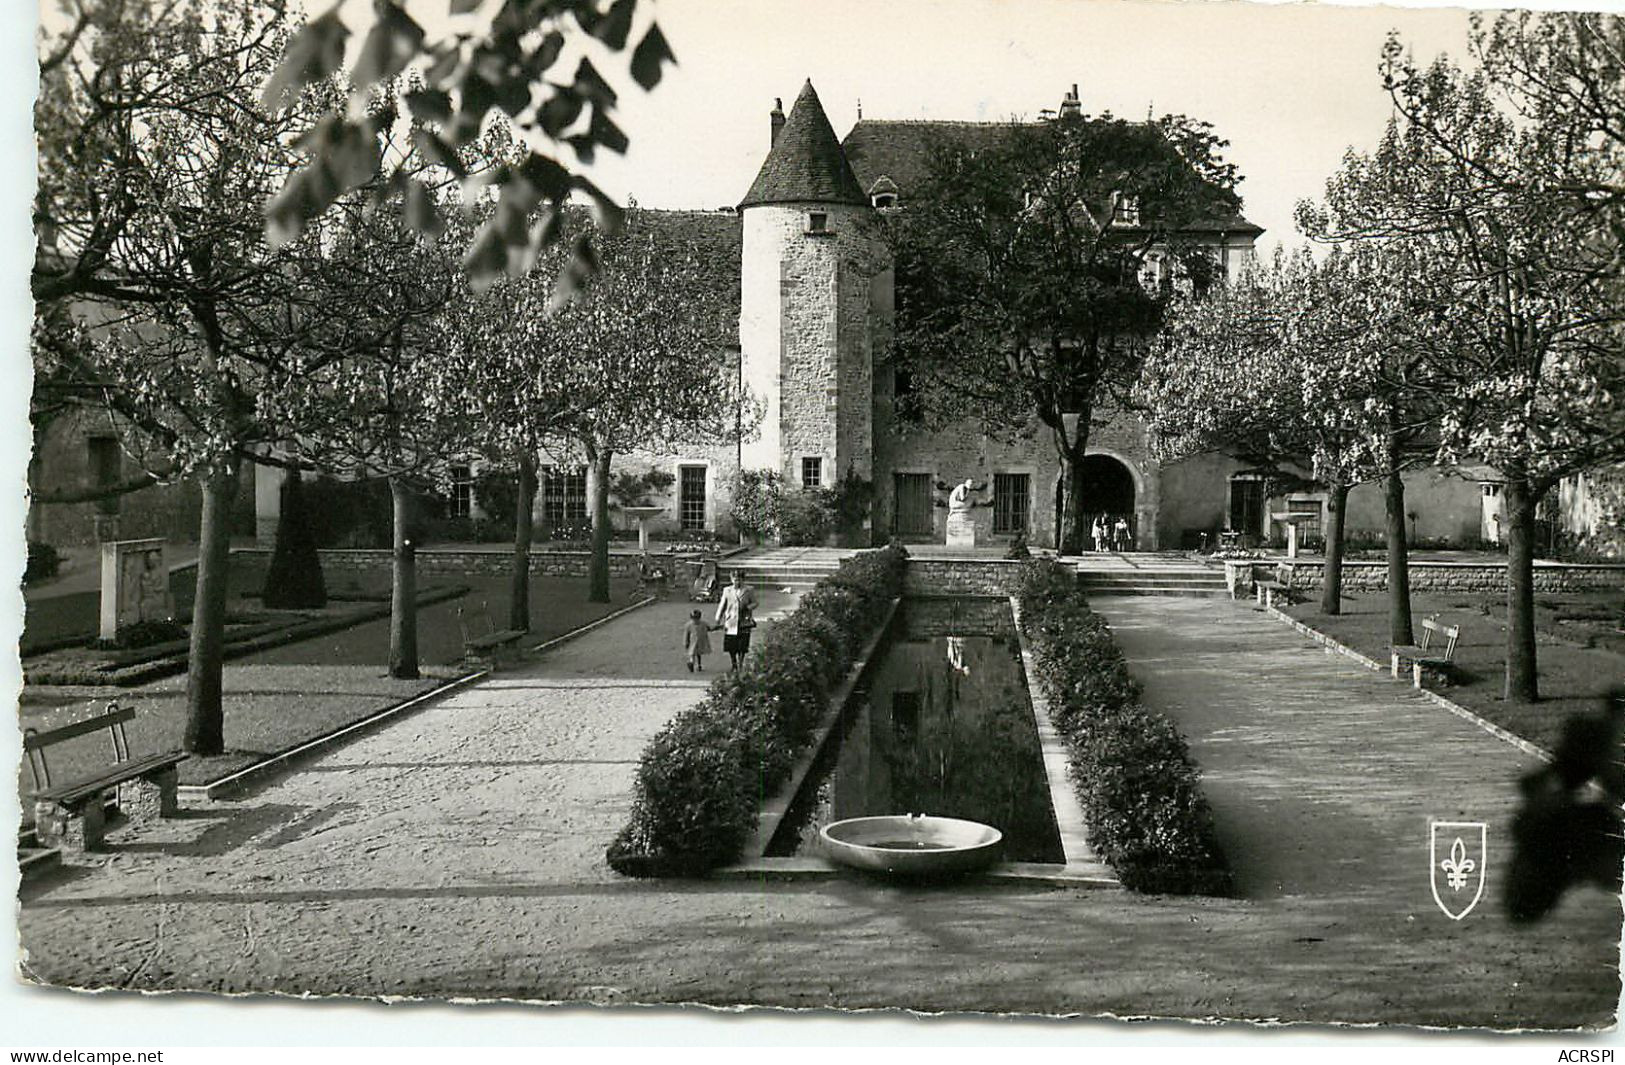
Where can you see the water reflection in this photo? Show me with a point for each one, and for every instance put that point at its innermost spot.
(944, 727)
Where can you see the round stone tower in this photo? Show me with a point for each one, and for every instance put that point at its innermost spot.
(806, 303)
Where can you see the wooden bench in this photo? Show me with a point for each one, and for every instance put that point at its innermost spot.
(486, 648)
(1280, 585)
(73, 816)
(1425, 657)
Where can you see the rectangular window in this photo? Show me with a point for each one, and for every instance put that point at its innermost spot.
(812, 472)
(462, 492)
(564, 495)
(691, 497)
(912, 492)
(106, 464)
(817, 222)
(1247, 506)
(1010, 503)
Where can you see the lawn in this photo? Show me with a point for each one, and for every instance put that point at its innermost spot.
(1580, 652)
(282, 697)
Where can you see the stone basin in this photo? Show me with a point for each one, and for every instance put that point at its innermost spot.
(915, 845)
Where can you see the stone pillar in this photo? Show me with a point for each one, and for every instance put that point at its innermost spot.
(78, 829)
(146, 799)
(134, 585)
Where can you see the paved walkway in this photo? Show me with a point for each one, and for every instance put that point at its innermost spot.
(1313, 783)
(459, 852)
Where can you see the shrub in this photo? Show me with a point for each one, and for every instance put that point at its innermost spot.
(293, 581)
(757, 496)
(143, 634)
(43, 562)
(806, 518)
(702, 778)
(1140, 790)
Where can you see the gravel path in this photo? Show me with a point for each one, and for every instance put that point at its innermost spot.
(459, 852)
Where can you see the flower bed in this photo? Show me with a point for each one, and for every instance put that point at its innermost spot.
(1140, 790)
(702, 778)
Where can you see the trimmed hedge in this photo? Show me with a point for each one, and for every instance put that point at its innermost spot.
(1140, 790)
(702, 778)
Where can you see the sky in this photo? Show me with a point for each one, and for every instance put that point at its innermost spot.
(1292, 87)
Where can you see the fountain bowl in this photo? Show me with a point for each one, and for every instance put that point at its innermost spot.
(915, 845)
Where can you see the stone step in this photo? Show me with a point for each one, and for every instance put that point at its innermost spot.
(1153, 577)
(1203, 591)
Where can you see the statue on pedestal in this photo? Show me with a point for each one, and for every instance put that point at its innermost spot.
(961, 528)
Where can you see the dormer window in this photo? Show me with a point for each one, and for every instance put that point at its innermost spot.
(817, 222)
(1125, 209)
(884, 199)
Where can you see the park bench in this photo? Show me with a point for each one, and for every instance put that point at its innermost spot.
(1425, 658)
(485, 648)
(73, 815)
(1280, 585)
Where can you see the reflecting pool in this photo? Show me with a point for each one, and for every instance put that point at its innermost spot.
(940, 725)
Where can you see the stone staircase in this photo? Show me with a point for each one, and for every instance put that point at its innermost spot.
(1150, 574)
(796, 568)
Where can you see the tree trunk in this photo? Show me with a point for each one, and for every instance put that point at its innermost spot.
(1074, 530)
(403, 589)
(1521, 682)
(519, 590)
(598, 497)
(1331, 584)
(205, 663)
(1399, 573)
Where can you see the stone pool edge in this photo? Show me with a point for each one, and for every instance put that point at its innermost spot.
(1081, 859)
(1081, 868)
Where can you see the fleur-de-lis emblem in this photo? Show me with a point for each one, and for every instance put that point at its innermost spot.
(1458, 880)
(1457, 866)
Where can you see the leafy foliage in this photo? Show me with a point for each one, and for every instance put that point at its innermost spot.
(44, 562)
(492, 64)
(1495, 192)
(1019, 271)
(703, 776)
(1141, 791)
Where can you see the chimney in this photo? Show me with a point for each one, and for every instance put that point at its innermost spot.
(775, 119)
(1070, 105)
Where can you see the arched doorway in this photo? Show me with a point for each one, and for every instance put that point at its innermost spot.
(1108, 489)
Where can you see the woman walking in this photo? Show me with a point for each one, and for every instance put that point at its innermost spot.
(735, 616)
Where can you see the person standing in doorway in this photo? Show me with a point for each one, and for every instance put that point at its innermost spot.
(1120, 535)
(1098, 531)
(736, 617)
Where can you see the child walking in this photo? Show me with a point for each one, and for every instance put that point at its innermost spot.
(696, 644)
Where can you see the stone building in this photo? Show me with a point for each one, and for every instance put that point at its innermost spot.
(815, 310)
(813, 298)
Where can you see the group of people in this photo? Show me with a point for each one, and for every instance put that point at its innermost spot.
(735, 617)
(1111, 534)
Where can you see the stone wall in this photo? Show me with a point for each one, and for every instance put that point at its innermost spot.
(966, 577)
(1439, 576)
(452, 562)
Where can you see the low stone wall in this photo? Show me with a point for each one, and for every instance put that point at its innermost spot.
(1483, 577)
(453, 562)
(955, 576)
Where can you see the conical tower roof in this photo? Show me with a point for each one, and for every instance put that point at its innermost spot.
(806, 163)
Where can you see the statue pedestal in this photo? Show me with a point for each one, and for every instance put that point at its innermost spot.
(961, 531)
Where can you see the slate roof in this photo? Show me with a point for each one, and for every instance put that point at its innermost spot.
(900, 149)
(713, 241)
(805, 164)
